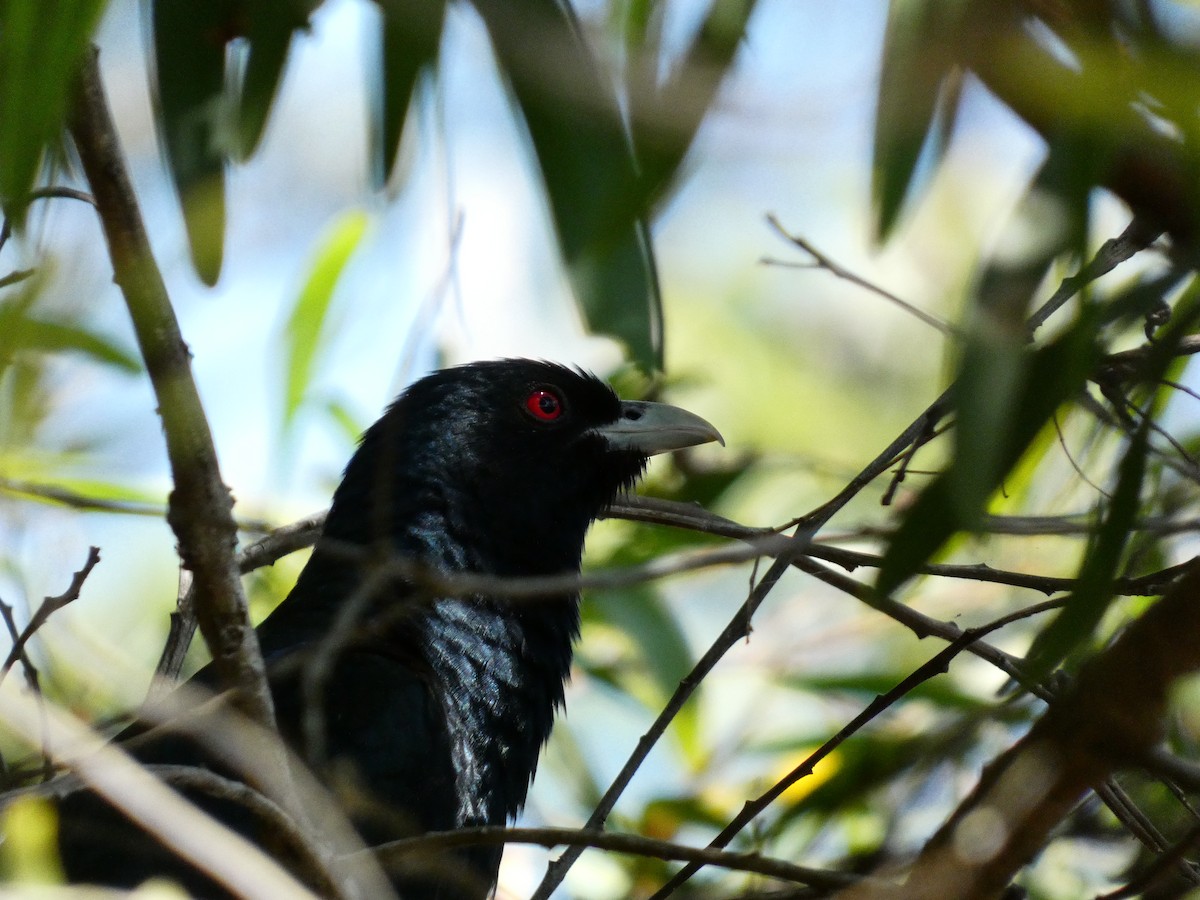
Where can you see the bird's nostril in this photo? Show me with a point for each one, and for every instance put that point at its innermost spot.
(633, 414)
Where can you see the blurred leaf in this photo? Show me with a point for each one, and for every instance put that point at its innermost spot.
(597, 204)
(269, 27)
(1050, 221)
(41, 47)
(29, 851)
(306, 325)
(410, 34)
(24, 332)
(919, 88)
(1093, 593)
(663, 658)
(640, 614)
(189, 51)
(939, 691)
(865, 764)
(350, 425)
(665, 124)
(57, 337)
(1056, 373)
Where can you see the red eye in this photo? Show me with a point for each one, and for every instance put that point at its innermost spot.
(544, 405)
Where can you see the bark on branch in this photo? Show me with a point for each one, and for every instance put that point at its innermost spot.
(201, 508)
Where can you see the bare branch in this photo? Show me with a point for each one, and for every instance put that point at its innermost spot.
(49, 606)
(736, 630)
(822, 261)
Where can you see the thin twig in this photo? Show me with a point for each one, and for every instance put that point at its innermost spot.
(16, 277)
(32, 679)
(277, 544)
(49, 606)
(822, 261)
(1137, 236)
(936, 665)
(737, 629)
(584, 838)
(1170, 860)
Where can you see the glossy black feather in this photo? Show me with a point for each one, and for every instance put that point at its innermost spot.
(438, 707)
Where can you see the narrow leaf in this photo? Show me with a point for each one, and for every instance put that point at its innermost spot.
(41, 47)
(596, 199)
(409, 37)
(269, 39)
(1093, 594)
(306, 325)
(189, 49)
(1056, 373)
(919, 77)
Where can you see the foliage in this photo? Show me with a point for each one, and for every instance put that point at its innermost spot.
(1048, 465)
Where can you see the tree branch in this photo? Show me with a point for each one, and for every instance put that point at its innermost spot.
(201, 508)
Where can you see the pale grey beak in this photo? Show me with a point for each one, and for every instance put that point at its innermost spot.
(652, 428)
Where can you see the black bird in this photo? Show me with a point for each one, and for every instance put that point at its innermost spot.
(437, 707)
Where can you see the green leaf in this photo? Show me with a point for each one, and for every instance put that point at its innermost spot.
(596, 200)
(42, 45)
(919, 84)
(269, 34)
(1093, 594)
(25, 332)
(664, 126)
(189, 49)
(409, 37)
(1056, 373)
(640, 614)
(306, 325)
(1050, 221)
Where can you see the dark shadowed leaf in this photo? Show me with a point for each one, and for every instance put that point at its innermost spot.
(919, 86)
(269, 28)
(409, 36)
(1093, 593)
(1049, 223)
(583, 152)
(665, 120)
(189, 54)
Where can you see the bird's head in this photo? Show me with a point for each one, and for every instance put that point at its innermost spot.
(513, 457)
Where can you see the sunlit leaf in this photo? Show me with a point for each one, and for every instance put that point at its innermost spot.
(1056, 373)
(306, 324)
(29, 851)
(1093, 593)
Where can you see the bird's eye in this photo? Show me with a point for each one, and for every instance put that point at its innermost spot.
(544, 405)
